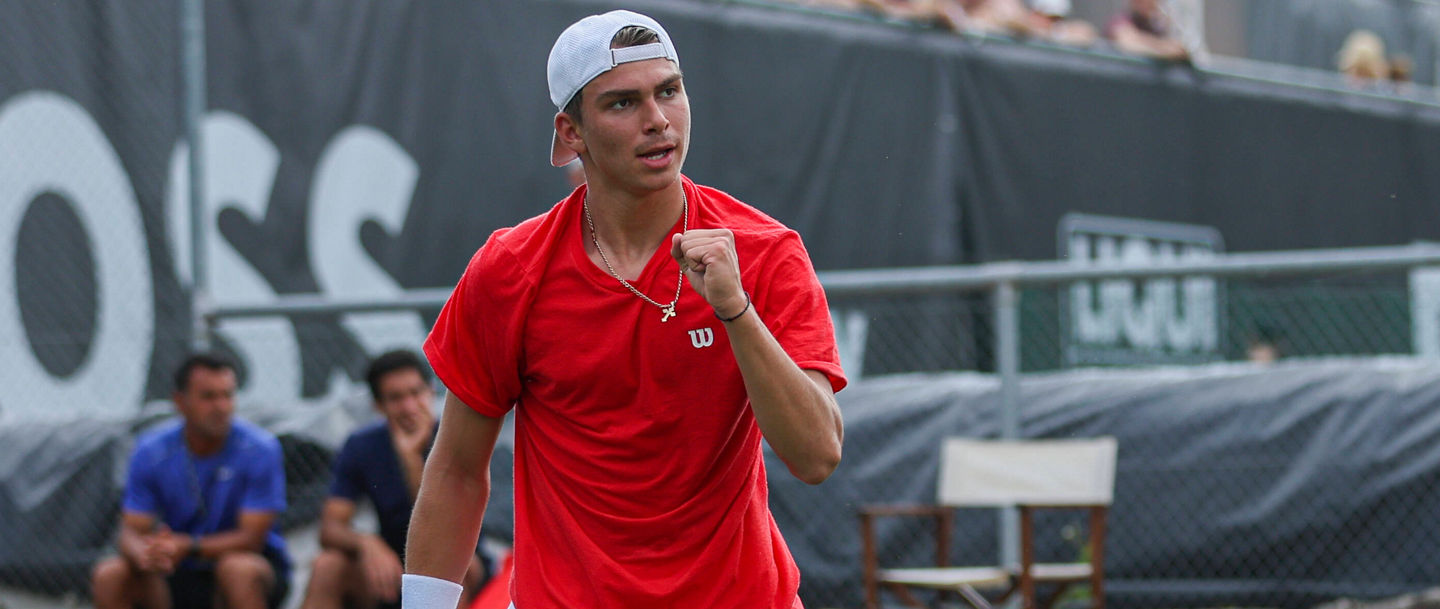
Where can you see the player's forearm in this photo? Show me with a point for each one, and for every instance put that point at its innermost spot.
(799, 419)
(446, 521)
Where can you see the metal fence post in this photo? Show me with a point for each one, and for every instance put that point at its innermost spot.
(192, 50)
(1007, 363)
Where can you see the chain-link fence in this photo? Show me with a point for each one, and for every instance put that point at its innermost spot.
(1238, 399)
(80, 318)
(887, 333)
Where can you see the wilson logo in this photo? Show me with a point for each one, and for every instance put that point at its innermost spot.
(704, 337)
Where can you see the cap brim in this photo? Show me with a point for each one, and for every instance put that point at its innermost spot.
(559, 154)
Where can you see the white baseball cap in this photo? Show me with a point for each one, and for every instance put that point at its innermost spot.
(583, 52)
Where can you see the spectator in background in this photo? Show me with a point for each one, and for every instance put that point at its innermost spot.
(1144, 29)
(947, 14)
(1009, 17)
(201, 505)
(381, 462)
(1046, 19)
(844, 5)
(1401, 72)
(1402, 68)
(1262, 346)
(1362, 59)
(1051, 19)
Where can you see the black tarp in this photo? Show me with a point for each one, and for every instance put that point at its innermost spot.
(1237, 484)
(883, 145)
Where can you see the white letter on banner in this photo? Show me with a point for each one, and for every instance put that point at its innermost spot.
(1140, 314)
(1089, 325)
(1425, 311)
(240, 164)
(852, 327)
(48, 143)
(1201, 304)
(1191, 328)
(362, 175)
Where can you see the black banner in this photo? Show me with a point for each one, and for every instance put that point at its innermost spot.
(355, 150)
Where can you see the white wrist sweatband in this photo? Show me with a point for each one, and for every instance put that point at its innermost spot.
(425, 592)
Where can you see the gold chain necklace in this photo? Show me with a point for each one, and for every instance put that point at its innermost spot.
(667, 310)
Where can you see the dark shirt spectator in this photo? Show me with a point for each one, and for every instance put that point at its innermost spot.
(381, 462)
(1145, 30)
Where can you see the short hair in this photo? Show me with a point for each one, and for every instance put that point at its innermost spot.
(390, 361)
(628, 36)
(208, 361)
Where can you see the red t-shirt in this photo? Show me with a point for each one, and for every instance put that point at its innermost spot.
(639, 477)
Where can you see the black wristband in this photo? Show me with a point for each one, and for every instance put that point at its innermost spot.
(737, 315)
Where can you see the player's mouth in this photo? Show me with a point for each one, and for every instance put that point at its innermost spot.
(658, 157)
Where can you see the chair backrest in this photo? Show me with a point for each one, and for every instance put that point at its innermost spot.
(1027, 472)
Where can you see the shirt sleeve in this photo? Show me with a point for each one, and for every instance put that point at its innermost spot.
(475, 346)
(140, 495)
(265, 485)
(792, 303)
(347, 483)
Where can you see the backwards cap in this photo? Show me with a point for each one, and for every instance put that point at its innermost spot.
(583, 52)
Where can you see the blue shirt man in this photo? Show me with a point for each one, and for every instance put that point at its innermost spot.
(201, 506)
(202, 496)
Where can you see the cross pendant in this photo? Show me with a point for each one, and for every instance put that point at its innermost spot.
(668, 312)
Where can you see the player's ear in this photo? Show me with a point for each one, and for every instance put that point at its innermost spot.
(568, 132)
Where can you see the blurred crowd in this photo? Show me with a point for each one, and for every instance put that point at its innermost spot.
(1365, 64)
(1142, 28)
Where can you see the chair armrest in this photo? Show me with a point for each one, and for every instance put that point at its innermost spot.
(942, 515)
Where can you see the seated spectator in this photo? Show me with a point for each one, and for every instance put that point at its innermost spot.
(201, 504)
(1263, 345)
(381, 462)
(948, 14)
(1362, 59)
(1051, 19)
(1009, 17)
(1043, 19)
(1144, 30)
(1402, 69)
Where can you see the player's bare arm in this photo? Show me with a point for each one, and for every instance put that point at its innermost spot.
(446, 524)
(795, 408)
